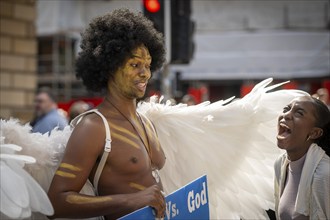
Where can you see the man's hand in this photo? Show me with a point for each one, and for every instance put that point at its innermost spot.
(153, 196)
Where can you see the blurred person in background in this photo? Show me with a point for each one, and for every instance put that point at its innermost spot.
(302, 174)
(78, 108)
(188, 99)
(173, 101)
(323, 95)
(47, 116)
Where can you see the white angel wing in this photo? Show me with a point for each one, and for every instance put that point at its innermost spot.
(234, 144)
(46, 149)
(20, 193)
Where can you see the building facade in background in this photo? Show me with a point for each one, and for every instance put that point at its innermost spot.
(18, 58)
(242, 42)
(237, 43)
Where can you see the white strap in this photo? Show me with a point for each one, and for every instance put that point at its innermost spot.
(107, 145)
(107, 149)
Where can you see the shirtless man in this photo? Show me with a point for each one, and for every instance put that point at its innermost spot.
(119, 52)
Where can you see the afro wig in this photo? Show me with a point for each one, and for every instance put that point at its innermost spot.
(109, 41)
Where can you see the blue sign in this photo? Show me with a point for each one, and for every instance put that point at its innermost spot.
(188, 202)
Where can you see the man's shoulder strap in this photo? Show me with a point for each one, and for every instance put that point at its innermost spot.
(107, 145)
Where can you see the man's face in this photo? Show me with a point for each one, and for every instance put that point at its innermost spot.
(132, 78)
(43, 104)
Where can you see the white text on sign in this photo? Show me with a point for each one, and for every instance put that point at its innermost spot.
(171, 210)
(196, 200)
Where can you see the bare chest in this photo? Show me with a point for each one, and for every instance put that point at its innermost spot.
(132, 144)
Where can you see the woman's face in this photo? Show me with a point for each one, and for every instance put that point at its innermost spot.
(296, 125)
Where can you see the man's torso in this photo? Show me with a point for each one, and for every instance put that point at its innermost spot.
(129, 165)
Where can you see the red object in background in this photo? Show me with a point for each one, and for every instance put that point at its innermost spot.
(196, 93)
(315, 85)
(326, 84)
(154, 93)
(291, 85)
(152, 6)
(92, 101)
(246, 89)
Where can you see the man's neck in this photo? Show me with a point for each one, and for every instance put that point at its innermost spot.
(123, 104)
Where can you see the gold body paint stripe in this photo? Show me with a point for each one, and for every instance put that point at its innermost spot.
(142, 133)
(137, 186)
(149, 129)
(65, 174)
(69, 167)
(78, 199)
(113, 113)
(152, 136)
(125, 139)
(123, 130)
(157, 145)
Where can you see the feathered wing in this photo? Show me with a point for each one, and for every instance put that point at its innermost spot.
(20, 193)
(233, 143)
(46, 151)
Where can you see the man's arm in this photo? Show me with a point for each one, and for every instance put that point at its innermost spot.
(82, 151)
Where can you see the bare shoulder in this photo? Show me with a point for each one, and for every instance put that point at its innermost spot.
(89, 121)
(88, 135)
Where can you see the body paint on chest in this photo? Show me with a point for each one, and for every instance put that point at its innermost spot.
(125, 139)
(123, 130)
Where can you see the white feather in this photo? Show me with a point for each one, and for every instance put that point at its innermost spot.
(20, 193)
(14, 194)
(40, 156)
(46, 149)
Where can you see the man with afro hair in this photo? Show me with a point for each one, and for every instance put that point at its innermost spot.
(120, 50)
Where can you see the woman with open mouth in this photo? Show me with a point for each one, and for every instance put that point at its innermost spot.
(302, 174)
